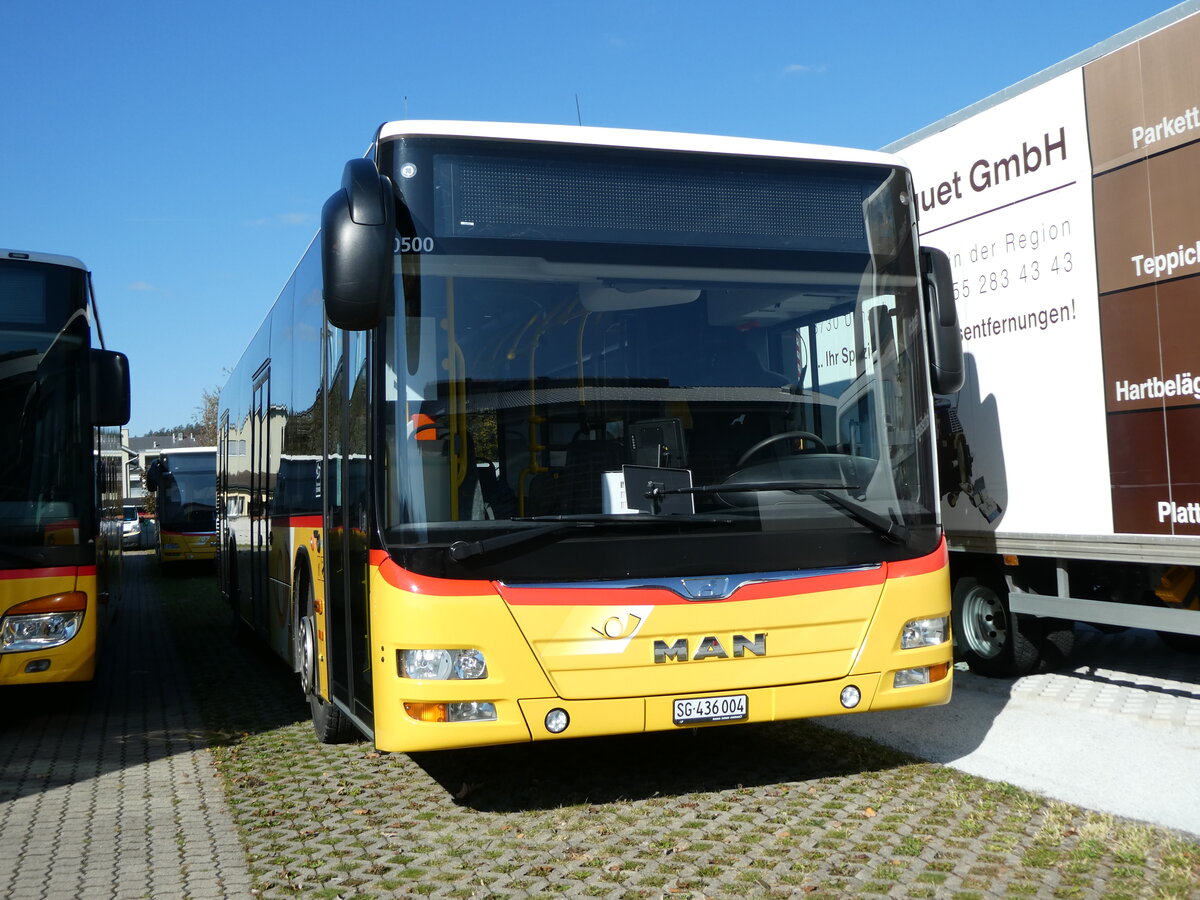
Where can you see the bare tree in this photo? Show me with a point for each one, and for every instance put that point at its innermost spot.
(206, 422)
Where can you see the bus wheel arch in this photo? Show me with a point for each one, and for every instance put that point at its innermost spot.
(304, 651)
(331, 725)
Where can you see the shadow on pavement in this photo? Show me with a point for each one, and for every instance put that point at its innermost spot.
(524, 777)
(140, 706)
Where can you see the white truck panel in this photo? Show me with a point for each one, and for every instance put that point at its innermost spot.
(1071, 215)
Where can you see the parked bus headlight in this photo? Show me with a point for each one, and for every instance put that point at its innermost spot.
(442, 665)
(923, 633)
(43, 622)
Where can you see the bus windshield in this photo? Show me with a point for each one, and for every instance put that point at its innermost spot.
(655, 370)
(44, 476)
(187, 495)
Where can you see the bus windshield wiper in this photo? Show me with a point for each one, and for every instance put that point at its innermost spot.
(885, 526)
(460, 550)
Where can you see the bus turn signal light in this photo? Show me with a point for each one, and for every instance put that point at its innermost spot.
(426, 712)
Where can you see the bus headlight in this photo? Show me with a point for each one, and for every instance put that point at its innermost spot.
(43, 623)
(442, 665)
(923, 633)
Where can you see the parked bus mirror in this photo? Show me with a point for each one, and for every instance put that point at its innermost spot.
(154, 475)
(946, 366)
(357, 233)
(110, 387)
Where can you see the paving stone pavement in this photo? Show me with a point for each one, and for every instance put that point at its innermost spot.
(1130, 673)
(107, 789)
(113, 794)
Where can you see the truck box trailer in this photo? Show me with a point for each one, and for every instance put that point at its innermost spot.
(1069, 206)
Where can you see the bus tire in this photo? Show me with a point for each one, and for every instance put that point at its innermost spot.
(330, 724)
(992, 640)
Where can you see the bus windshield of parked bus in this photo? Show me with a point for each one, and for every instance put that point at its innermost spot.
(187, 493)
(614, 363)
(45, 493)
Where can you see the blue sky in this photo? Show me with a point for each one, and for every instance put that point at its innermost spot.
(183, 151)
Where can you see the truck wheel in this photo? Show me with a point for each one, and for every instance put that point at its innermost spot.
(1058, 643)
(331, 725)
(992, 640)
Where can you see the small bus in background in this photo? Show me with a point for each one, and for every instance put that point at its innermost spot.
(184, 481)
(63, 398)
(560, 432)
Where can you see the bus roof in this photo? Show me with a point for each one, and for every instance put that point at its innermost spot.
(53, 258)
(623, 137)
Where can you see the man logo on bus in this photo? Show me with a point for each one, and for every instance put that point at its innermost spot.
(710, 648)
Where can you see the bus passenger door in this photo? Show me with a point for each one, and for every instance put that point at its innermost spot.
(260, 501)
(347, 517)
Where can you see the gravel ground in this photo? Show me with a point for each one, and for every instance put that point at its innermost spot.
(782, 810)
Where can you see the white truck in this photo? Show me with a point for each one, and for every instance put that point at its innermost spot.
(1069, 206)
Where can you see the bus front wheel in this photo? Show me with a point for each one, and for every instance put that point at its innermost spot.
(331, 725)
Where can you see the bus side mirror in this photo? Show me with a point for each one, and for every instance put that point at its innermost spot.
(154, 473)
(946, 368)
(358, 231)
(110, 387)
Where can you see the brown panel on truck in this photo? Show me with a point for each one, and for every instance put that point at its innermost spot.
(1146, 227)
(1138, 457)
(1142, 99)
(1130, 346)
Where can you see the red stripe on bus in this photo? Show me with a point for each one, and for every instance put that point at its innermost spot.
(48, 572)
(922, 565)
(398, 577)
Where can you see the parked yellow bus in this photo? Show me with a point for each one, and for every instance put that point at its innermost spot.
(62, 398)
(557, 432)
(184, 481)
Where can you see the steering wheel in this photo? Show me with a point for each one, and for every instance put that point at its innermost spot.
(783, 436)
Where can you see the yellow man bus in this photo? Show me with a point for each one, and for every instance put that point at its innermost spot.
(557, 432)
(62, 398)
(184, 481)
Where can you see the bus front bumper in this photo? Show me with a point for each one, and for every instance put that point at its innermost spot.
(543, 718)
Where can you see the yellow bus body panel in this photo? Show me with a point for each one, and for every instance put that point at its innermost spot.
(73, 661)
(595, 657)
(174, 546)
